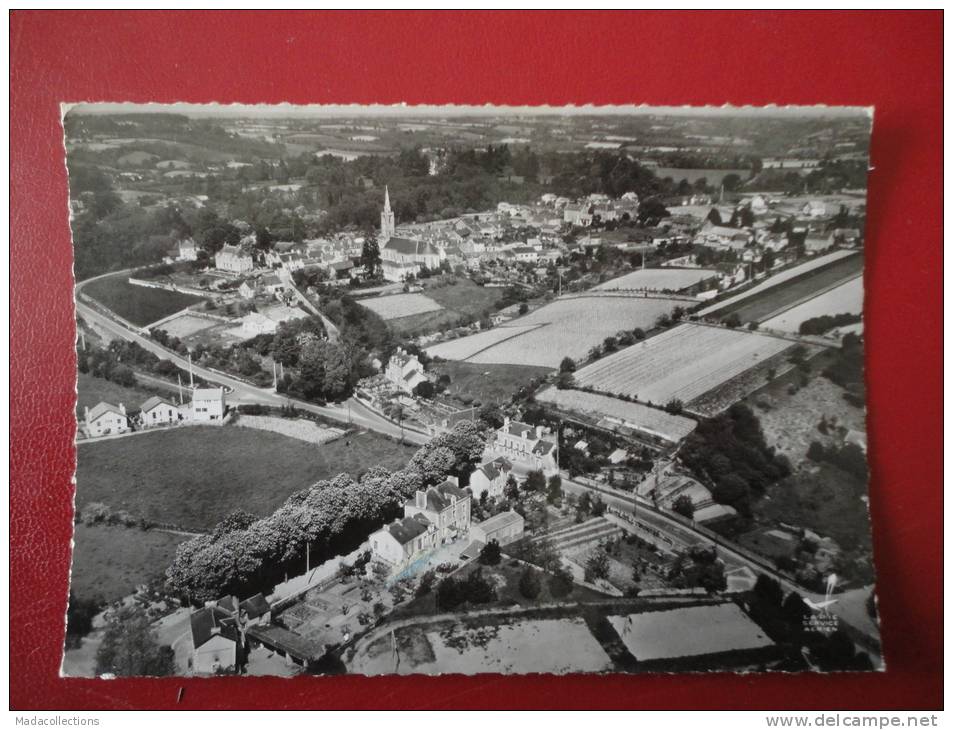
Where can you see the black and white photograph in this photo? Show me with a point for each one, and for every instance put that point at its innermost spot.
(434, 390)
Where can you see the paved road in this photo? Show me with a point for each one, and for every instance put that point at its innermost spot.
(352, 412)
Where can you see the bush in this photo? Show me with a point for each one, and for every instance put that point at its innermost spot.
(530, 585)
(560, 583)
(490, 554)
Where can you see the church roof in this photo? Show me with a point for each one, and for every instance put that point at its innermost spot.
(410, 247)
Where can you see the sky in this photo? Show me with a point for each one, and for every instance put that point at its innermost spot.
(401, 110)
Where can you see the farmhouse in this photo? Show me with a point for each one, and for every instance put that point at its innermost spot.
(404, 371)
(234, 259)
(524, 446)
(208, 404)
(490, 477)
(446, 507)
(158, 411)
(505, 528)
(105, 418)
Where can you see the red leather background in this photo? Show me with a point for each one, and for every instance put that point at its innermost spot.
(890, 60)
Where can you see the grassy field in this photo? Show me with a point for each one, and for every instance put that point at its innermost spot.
(193, 476)
(138, 304)
(487, 383)
(766, 304)
(93, 390)
(848, 298)
(462, 299)
(110, 562)
(400, 306)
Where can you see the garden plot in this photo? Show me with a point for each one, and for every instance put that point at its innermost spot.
(571, 327)
(682, 363)
(635, 415)
(692, 631)
(525, 647)
(395, 306)
(848, 298)
(657, 280)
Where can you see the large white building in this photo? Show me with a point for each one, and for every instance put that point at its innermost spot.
(527, 448)
(404, 371)
(234, 259)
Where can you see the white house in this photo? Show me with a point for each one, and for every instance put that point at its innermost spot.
(188, 251)
(445, 506)
(490, 477)
(723, 237)
(526, 447)
(525, 253)
(814, 209)
(398, 543)
(158, 411)
(105, 418)
(234, 259)
(255, 323)
(505, 528)
(404, 371)
(208, 404)
(215, 639)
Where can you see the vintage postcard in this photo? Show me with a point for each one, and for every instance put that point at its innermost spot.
(429, 390)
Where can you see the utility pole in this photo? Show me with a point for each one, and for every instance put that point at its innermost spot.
(181, 399)
(191, 375)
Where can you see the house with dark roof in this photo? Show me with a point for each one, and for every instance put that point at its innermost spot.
(255, 611)
(490, 477)
(404, 371)
(216, 639)
(527, 448)
(445, 506)
(234, 259)
(157, 411)
(400, 542)
(104, 419)
(404, 257)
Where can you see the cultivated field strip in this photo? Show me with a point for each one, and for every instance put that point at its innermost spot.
(847, 298)
(466, 347)
(773, 281)
(681, 363)
(657, 280)
(649, 420)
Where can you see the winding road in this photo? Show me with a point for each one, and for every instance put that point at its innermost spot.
(351, 412)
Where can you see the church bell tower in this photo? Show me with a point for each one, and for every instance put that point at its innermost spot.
(387, 218)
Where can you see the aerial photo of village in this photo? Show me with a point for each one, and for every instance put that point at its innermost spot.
(374, 390)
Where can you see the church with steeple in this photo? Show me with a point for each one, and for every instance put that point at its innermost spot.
(388, 226)
(403, 257)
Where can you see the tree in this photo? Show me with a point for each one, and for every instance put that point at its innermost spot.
(79, 618)
(567, 365)
(731, 182)
(477, 589)
(449, 594)
(554, 490)
(523, 308)
(560, 583)
(732, 320)
(535, 481)
(371, 256)
(511, 488)
(714, 217)
(683, 505)
(674, 406)
(490, 554)
(530, 585)
(597, 566)
(424, 389)
(131, 648)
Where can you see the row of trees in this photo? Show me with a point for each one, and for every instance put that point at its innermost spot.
(244, 555)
